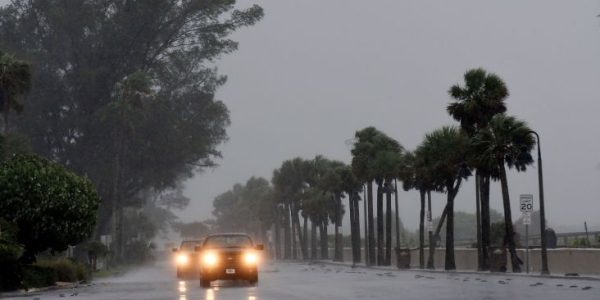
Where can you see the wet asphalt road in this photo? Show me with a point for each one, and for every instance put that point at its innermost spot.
(316, 281)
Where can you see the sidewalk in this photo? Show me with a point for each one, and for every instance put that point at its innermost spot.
(465, 272)
(37, 291)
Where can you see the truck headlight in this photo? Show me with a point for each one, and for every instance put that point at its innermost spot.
(209, 259)
(250, 258)
(182, 259)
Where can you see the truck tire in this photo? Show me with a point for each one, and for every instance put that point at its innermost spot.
(253, 280)
(204, 283)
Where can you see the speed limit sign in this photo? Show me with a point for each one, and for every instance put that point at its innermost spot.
(526, 203)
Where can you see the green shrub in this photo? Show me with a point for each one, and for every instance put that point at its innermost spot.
(11, 275)
(38, 276)
(52, 207)
(10, 269)
(65, 269)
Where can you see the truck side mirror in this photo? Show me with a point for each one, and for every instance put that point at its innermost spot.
(174, 249)
(259, 247)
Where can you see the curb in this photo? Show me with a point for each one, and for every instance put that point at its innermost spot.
(37, 291)
(380, 268)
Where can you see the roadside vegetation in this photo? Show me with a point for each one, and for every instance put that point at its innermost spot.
(88, 98)
(307, 195)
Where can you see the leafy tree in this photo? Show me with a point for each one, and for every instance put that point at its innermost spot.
(52, 207)
(84, 52)
(445, 153)
(15, 80)
(247, 208)
(191, 230)
(138, 227)
(481, 98)
(506, 141)
(13, 143)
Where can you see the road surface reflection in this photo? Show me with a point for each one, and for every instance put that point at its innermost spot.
(212, 292)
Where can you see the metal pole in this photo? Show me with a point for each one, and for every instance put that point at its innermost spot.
(545, 270)
(397, 216)
(527, 247)
(366, 225)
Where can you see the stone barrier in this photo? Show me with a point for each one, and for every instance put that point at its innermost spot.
(584, 261)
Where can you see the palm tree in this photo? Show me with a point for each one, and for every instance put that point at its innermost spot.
(445, 153)
(352, 187)
(376, 156)
(15, 80)
(363, 155)
(506, 141)
(387, 164)
(415, 175)
(330, 181)
(315, 207)
(481, 98)
(408, 176)
(288, 181)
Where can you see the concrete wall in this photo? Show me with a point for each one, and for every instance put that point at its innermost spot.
(560, 261)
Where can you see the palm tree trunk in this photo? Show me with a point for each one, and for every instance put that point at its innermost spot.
(305, 236)
(277, 237)
(357, 228)
(338, 223)
(298, 229)
(287, 232)
(351, 201)
(436, 235)
(430, 264)
(478, 219)
(324, 241)
(380, 257)
(388, 223)
(508, 225)
(294, 242)
(313, 240)
(422, 230)
(485, 222)
(371, 227)
(449, 261)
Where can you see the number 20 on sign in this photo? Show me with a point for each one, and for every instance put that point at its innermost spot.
(526, 202)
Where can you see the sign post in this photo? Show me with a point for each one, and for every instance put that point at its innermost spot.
(526, 204)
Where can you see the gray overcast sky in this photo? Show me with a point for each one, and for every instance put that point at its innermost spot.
(311, 73)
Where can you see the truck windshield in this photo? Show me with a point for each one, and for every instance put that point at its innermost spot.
(189, 245)
(228, 241)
